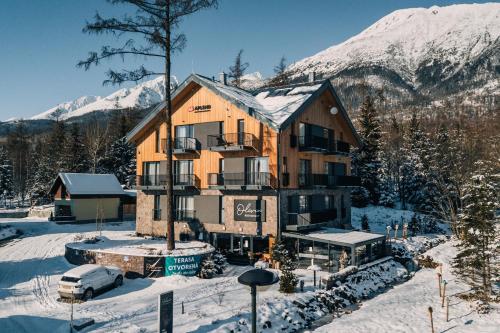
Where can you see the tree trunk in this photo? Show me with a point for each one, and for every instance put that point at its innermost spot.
(168, 123)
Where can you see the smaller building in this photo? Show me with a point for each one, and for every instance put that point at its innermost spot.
(82, 197)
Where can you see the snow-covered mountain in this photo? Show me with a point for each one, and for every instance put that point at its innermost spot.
(419, 52)
(141, 96)
(252, 81)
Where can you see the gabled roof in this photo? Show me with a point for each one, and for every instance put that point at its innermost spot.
(89, 184)
(276, 107)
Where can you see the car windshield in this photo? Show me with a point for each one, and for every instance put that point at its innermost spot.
(70, 279)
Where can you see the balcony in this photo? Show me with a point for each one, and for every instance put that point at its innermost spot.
(159, 182)
(240, 180)
(182, 146)
(184, 215)
(344, 181)
(339, 148)
(313, 143)
(232, 142)
(310, 220)
(313, 179)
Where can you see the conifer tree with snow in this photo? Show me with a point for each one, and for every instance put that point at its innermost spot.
(120, 160)
(367, 159)
(5, 174)
(220, 261)
(208, 268)
(288, 280)
(478, 258)
(238, 70)
(278, 251)
(77, 157)
(414, 225)
(43, 173)
(365, 226)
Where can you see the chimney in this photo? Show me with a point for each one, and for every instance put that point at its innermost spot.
(223, 78)
(312, 76)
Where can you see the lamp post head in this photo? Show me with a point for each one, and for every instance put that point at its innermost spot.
(258, 277)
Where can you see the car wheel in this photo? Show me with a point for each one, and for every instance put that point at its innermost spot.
(89, 293)
(118, 281)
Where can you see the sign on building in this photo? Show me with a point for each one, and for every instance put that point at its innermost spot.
(250, 210)
(185, 265)
(166, 312)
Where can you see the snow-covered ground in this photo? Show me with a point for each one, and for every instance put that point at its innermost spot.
(31, 266)
(379, 217)
(7, 232)
(404, 308)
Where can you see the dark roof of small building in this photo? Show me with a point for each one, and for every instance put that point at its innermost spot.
(276, 106)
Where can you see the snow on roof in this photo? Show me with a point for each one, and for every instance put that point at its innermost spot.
(341, 236)
(87, 184)
(275, 104)
(279, 104)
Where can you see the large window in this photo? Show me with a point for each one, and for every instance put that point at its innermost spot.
(304, 203)
(329, 202)
(184, 137)
(184, 207)
(257, 171)
(183, 172)
(151, 173)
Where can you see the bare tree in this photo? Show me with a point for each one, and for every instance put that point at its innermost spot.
(155, 24)
(238, 69)
(96, 136)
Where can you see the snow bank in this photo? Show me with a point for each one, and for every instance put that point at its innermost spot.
(127, 244)
(7, 232)
(299, 311)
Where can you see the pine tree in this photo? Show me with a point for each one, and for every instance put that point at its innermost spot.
(5, 175)
(479, 249)
(414, 225)
(367, 159)
(76, 152)
(365, 226)
(208, 268)
(220, 262)
(238, 69)
(282, 76)
(151, 32)
(18, 146)
(288, 280)
(120, 160)
(43, 174)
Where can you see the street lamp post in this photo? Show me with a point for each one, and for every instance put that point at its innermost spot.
(254, 278)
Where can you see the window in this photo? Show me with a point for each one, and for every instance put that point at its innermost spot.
(257, 171)
(221, 209)
(157, 140)
(183, 172)
(329, 202)
(305, 177)
(241, 131)
(184, 207)
(304, 203)
(285, 164)
(156, 208)
(151, 173)
(184, 137)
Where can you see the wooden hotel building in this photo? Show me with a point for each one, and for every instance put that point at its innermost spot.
(248, 166)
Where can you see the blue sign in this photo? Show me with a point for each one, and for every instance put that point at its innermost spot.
(185, 265)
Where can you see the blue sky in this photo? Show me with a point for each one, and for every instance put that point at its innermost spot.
(41, 42)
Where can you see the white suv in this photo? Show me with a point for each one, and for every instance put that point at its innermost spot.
(84, 281)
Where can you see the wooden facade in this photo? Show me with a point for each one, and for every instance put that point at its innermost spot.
(197, 103)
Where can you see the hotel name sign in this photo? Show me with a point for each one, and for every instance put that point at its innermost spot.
(200, 108)
(250, 210)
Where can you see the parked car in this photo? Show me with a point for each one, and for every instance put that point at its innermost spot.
(83, 282)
